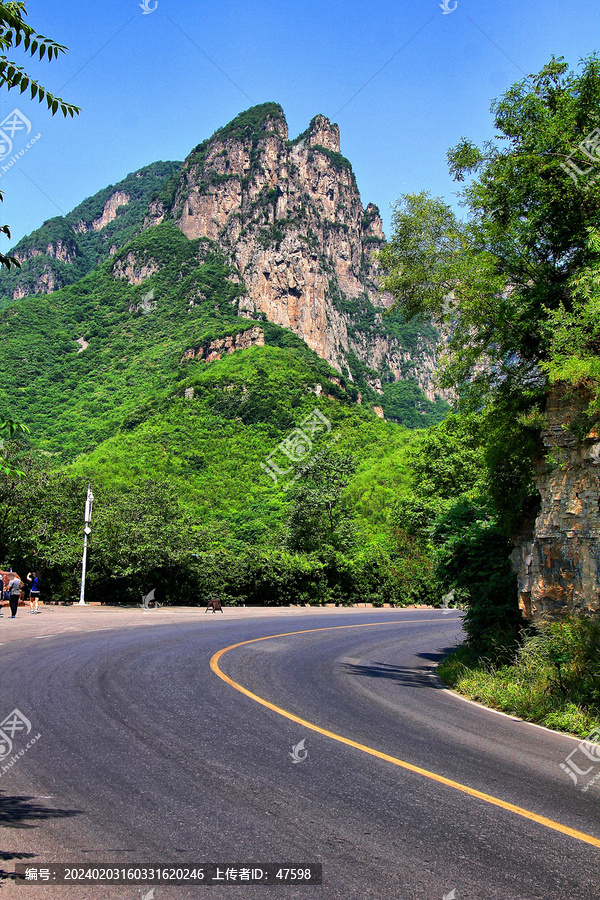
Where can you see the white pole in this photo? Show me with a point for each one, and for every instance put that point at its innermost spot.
(82, 594)
(89, 502)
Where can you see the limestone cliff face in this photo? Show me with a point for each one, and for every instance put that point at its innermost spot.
(44, 284)
(290, 216)
(43, 277)
(252, 337)
(109, 214)
(64, 251)
(559, 565)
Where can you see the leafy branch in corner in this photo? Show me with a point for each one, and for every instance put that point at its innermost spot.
(15, 32)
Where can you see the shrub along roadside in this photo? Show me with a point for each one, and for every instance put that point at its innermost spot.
(553, 680)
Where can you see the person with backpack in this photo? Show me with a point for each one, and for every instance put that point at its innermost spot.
(34, 593)
(15, 593)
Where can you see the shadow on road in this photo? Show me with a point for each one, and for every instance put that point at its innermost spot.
(436, 657)
(24, 812)
(408, 676)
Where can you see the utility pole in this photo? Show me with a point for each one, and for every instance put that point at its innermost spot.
(86, 531)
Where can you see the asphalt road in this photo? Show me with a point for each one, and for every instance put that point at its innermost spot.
(147, 756)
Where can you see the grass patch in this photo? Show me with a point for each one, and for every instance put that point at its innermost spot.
(553, 679)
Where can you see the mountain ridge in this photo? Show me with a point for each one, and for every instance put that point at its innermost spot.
(66, 248)
(288, 218)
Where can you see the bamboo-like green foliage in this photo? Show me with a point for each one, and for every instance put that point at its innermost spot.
(16, 32)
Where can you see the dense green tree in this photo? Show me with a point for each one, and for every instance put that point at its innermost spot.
(514, 283)
(9, 428)
(574, 356)
(496, 279)
(41, 522)
(141, 539)
(448, 536)
(516, 288)
(447, 465)
(472, 557)
(319, 518)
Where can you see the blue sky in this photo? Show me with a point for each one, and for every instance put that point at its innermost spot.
(403, 80)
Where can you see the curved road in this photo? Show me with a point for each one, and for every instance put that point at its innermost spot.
(146, 755)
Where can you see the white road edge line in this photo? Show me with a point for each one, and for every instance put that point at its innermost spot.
(436, 678)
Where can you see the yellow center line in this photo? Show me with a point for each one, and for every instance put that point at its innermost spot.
(433, 776)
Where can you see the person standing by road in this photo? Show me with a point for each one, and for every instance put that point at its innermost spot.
(34, 593)
(15, 593)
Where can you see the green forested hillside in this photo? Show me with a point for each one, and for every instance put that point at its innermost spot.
(99, 374)
(133, 366)
(207, 472)
(66, 248)
(73, 398)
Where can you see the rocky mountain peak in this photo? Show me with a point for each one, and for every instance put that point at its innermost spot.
(289, 216)
(265, 118)
(323, 134)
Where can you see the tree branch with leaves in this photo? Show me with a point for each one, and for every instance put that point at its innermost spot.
(15, 33)
(496, 279)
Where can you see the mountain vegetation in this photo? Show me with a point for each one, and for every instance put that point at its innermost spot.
(173, 444)
(66, 248)
(515, 286)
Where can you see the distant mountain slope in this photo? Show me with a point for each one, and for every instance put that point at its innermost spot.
(101, 355)
(65, 249)
(267, 229)
(145, 369)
